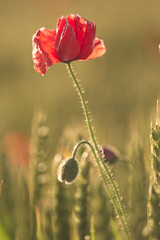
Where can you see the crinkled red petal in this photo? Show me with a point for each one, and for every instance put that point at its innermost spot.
(71, 19)
(66, 45)
(85, 33)
(60, 25)
(98, 50)
(44, 54)
(80, 26)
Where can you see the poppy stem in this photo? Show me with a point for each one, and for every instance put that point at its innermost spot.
(107, 177)
(79, 144)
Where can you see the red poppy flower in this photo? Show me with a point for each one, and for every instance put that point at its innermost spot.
(16, 146)
(73, 39)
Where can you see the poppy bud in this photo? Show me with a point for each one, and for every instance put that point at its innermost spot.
(68, 170)
(110, 154)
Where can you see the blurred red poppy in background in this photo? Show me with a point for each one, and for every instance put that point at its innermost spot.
(16, 147)
(73, 39)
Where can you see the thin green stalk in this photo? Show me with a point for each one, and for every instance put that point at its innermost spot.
(82, 195)
(109, 191)
(78, 145)
(112, 191)
(92, 231)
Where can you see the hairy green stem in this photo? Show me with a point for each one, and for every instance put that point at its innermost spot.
(78, 145)
(102, 174)
(109, 181)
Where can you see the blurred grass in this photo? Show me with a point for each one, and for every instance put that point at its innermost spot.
(122, 86)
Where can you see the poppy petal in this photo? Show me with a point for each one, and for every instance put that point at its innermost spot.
(80, 26)
(98, 50)
(44, 54)
(66, 45)
(71, 19)
(86, 35)
(60, 25)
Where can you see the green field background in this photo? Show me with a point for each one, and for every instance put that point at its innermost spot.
(122, 86)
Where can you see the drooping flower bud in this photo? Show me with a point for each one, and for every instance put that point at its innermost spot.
(67, 170)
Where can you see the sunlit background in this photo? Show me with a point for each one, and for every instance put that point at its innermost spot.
(122, 86)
